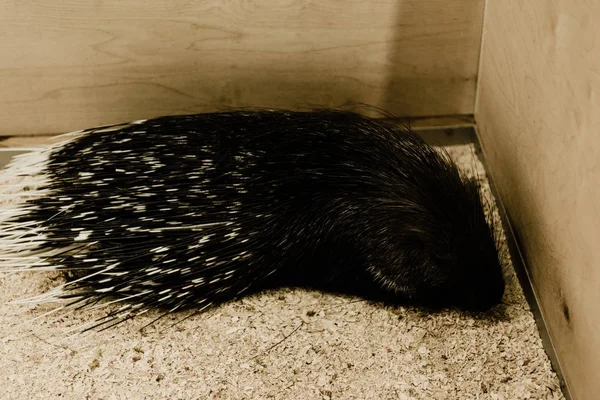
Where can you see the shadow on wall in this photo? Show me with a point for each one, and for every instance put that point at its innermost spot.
(433, 58)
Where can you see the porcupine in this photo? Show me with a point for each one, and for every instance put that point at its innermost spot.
(195, 210)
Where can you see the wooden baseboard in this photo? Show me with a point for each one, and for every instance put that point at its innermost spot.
(456, 131)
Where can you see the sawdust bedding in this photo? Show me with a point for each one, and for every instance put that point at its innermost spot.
(284, 344)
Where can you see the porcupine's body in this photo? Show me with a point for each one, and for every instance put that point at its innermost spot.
(190, 211)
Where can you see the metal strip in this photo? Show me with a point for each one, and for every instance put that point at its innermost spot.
(520, 266)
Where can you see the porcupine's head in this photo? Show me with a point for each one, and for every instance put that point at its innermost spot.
(424, 231)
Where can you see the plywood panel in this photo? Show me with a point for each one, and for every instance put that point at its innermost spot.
(71, 64)
(538, 112)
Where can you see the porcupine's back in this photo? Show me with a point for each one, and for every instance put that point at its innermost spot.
(193, 210)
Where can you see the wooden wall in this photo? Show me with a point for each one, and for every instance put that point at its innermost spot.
(538, 112)
(69, 64)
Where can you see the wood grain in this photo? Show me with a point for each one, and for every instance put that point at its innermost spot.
(69, 65)
(538, 114)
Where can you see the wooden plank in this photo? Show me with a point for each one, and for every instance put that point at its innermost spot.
(27, 141)
(537, 113)
(442, 121)
(69, 65)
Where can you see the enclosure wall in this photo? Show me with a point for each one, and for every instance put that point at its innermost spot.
(71, 64)
(538, 112)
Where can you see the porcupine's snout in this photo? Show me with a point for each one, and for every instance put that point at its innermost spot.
(477, 292)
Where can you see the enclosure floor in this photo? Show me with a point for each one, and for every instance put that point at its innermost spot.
(286, 344)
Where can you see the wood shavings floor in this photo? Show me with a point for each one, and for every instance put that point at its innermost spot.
(286, 344)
